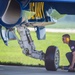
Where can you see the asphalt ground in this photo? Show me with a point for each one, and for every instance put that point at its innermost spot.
(24, 70)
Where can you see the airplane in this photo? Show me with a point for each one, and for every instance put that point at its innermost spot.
(13, 14)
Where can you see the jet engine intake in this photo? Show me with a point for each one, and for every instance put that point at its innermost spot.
(12, 15)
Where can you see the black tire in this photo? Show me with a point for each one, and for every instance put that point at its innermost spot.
(52, 58)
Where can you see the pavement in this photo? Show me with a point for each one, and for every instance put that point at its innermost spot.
(24, 70)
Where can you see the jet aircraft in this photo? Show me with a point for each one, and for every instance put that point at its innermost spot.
(13, 14)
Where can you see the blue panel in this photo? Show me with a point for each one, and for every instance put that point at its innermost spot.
(53, 0)
(24, 3)
(11, 35)
(63, 7)
(40, 32)
(3, 5)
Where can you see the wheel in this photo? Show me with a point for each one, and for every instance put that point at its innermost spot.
(52, 58)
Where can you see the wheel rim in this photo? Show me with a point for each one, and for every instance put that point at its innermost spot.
(56, 58)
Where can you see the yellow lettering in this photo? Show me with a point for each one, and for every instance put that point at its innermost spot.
(38, 8)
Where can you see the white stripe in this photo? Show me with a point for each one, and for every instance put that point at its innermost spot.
(57, 30)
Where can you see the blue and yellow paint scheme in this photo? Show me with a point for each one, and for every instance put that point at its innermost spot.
(11, 11)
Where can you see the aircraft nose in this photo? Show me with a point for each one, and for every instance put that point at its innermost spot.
(3, 6)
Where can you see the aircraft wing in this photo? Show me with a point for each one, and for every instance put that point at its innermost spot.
(62, 6)
(12, 11)
(53, 0)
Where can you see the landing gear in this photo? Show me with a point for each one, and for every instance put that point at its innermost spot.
(52, 58)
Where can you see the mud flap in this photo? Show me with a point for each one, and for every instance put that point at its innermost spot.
(11, 35)
(40, 32)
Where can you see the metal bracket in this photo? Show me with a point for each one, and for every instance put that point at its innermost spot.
(27, 44)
